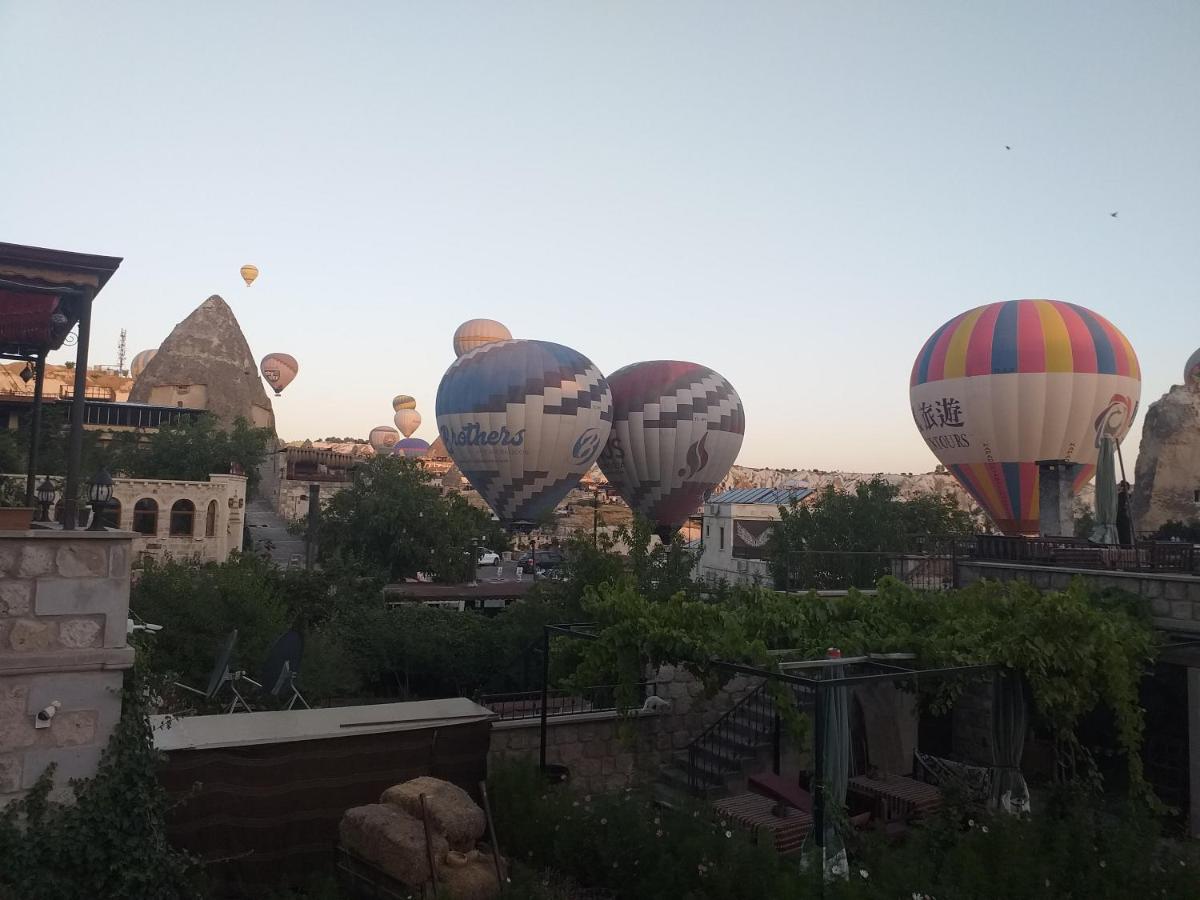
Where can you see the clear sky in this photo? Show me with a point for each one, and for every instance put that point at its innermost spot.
(793, 193)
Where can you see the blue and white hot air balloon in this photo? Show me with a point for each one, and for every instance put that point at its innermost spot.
(523, 421)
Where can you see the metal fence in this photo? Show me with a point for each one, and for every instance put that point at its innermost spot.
(528, 704)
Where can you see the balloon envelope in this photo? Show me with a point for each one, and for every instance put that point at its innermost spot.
(477, 332)
(403, 401)
(1003, 386)
(249, 273)
(279, 369)
(413, 448)
(138, 364)
(1191, 372)
(523, 420)
(677, 428)
(407, 420)
(383, 437)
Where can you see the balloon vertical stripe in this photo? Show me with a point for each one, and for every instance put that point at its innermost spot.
(1031, 349)
(981, 343)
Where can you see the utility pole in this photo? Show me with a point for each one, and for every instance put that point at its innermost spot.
(310, 533)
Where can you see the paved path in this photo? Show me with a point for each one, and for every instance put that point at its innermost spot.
(268, 531)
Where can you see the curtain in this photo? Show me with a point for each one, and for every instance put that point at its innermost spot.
(1009, 790)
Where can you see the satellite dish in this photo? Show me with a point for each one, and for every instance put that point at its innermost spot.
(282, 667)
(220, 670)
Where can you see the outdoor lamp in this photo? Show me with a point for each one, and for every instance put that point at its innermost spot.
(27, 373)
(45, 497)
(100, 491)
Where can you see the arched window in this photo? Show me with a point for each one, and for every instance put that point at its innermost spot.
(145, 516)
(183, 518)
(210, 521)
(112, 514)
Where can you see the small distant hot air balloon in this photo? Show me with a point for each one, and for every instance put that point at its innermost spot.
(249, 273)
(677, 429)
(523, 421)
(382, 438)
(1003, 386)
(279, 369)
(412, 448)
(1191, 372)
(138, 364)
(403, 401)
(477, 332)
(407, 420)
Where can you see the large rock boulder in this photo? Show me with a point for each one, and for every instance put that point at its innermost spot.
(452, 812)
(392, 840)
(205, 363)
(1168, 465)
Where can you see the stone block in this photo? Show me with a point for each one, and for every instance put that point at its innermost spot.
(588, 768)
(37, 558)
(1175, 590)
(86, 559)
(70, 762)
(608, 766)
(87, 596)
(118, 561)
(1160, 607)
(15, 597)
(10, 551)
(624, 764)
(679, 740)
(72, 729)
(1181, 609)
(10, 774)
(1193, 592)
(571, 753)
(78, 634)
(16, 725)
(595, 749)
(27, 635)
(1150, 588)
(100, 691)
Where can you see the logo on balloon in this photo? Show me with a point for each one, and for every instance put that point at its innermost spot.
(697, 458)
(474, 435)
(586, 446)
(1117, 415)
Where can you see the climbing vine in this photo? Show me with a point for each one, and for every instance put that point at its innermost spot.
(1076, 649)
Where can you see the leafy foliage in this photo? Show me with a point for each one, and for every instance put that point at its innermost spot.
(1188, 532)
(392, 522)
(111, 843)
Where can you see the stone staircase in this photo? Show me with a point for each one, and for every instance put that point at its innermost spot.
(743, 741)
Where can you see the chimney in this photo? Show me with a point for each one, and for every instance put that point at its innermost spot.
(1056, 497)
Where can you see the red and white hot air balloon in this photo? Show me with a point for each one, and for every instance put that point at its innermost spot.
(279, 369)
(677, 429)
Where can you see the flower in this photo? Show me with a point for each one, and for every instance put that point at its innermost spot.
(984, 829)
(576, 803)
(614, 864)
(656, 820)
(587, 798)
(970, 823)
(728, 834)
(604, 821)
(864, 873)
(658, 833)
(1103, 864)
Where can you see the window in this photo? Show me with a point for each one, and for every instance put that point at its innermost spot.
(722, 531)
(1196, 496)
(145, 516)
(708, 531)
(210, 521)
(183, 518)
(111, 517)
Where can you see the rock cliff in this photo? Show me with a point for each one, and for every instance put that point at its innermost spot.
(206, 363)
(1168, 464)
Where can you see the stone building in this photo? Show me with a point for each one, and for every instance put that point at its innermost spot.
(1167, 479)
(180, 519)
(64, 604)
(736, 527)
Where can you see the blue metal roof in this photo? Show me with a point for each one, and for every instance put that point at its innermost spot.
(765, 496)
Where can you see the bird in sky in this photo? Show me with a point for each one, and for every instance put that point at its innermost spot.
(1113, 214)
(1006, 147)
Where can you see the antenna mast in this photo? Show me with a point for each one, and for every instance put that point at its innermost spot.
(121, 353)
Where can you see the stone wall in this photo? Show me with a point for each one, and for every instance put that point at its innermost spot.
(1167, 476)
(292, 500)
(64, 603)
(605, 752)
(1174, 599)
(227, 492)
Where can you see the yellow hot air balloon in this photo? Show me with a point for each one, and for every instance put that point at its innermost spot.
(249, 273)
(477, 332)
(403, 401)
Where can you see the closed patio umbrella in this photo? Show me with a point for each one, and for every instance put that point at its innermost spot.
(1009, 790)
(1105, 531)
(835, 773)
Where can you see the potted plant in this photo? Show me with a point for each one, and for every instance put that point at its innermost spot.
(13, 515)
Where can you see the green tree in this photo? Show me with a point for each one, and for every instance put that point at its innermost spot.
(194, 449)
(391, 521)
(840, 538)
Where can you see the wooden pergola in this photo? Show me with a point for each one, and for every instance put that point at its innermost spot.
(44, 296)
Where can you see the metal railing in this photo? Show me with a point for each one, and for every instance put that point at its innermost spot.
(836, 570)
(521, 705)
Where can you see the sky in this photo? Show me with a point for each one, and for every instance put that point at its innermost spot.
(795, 194)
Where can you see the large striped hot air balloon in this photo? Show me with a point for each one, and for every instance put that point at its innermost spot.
(1003, 386)
(523, 420)
(412, 448)
(677, 428)
(382, 438)
(138, 364)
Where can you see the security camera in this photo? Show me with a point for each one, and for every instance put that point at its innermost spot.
(42, 719)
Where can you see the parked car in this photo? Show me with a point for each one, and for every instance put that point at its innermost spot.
(488, 557)
(547, 560)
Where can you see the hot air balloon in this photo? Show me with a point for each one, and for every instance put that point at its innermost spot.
(407, 420)
(677, 428)
(382, 438)
(523, 420)
(279, 369)
(477, 332)
(403, 401)
(249, 273)
(1003, 386)
(413, 448)
(138, 364)
(1191, 372)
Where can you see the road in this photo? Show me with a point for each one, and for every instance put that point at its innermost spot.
(269, 532)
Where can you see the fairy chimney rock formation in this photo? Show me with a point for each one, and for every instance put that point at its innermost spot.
(1167, 477)
(205, 363)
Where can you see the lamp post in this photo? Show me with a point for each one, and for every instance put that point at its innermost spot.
(45, 498)
(100, 491)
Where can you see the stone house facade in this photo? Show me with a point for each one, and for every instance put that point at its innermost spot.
(181, 519)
